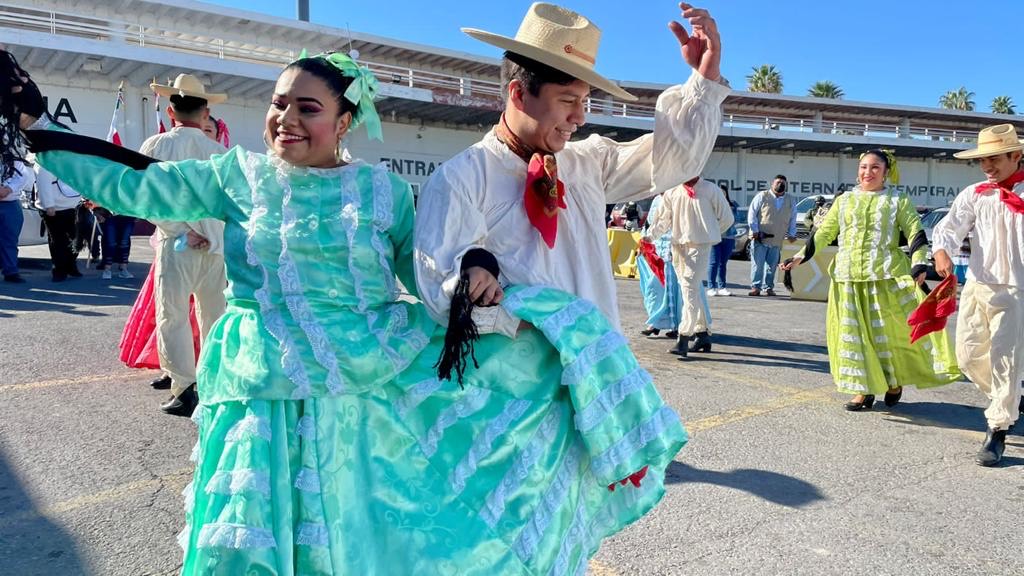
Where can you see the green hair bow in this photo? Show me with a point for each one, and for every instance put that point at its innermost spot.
(361, 91)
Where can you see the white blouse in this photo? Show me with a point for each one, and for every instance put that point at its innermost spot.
(997, 247)
(475, 200)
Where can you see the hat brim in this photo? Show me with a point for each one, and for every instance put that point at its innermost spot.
(556, 61)
(165, 90)
(979, 153)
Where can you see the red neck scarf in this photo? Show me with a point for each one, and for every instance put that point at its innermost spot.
(544, 196)
(1006, 194)
(689, 187)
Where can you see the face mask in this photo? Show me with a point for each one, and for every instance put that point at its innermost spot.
(780, 188)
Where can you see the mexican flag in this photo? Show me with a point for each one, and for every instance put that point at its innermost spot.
(112, 135)
(160, 128)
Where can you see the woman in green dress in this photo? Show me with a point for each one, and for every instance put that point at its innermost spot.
(327, 444)
(875, 288)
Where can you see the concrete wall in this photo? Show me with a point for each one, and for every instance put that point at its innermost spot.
(415, 151)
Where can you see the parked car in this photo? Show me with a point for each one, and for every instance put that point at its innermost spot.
(929, 221)
(742, 248)
(620, 215)
(805, 210)
(33, 232)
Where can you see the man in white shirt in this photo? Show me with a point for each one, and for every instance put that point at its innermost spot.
(476, 217)
(190, 255)
(59, 204)
(697, 214)
(11, 218)
(990, 326)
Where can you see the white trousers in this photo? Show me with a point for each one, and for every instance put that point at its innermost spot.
(990, 347)
(178, 276)
(691, 264)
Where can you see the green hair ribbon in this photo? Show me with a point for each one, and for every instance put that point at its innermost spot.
(361, 91)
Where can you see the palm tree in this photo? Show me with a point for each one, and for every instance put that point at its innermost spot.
(959, 99)
(765, 78)
(1002, 105)
(825, 89)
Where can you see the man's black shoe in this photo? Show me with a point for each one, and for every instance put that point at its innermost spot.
(182, 405)
(992, 450)
(161, 383)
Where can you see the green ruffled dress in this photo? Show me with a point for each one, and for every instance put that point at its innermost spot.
(871, 295)
(327, 445)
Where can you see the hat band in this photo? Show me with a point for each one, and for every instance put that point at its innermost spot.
(570, 49)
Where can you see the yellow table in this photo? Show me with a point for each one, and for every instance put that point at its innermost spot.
(622, 246)
(811, 278)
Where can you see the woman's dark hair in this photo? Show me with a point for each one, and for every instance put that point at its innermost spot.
(532, 74)
(880, 154)
(331, 76)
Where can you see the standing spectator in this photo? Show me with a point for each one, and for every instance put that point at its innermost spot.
(772, 218)
(11, 219)
(721, 252)
(696, 213)
(117, 244)
(59, 204)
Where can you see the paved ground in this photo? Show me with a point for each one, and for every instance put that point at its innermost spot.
(777, 478)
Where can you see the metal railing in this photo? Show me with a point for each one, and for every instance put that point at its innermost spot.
(68, 24)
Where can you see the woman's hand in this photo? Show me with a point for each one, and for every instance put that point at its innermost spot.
(787, 266)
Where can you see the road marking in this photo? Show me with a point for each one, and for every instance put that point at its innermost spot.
(817, 395)
(94, 379)
(176, 481)
(600, 569)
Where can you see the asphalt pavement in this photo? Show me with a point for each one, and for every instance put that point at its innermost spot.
(776, 478)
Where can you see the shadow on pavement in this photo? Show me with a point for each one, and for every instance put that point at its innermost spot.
(778, 353)
(30, 544)
(73, 296)
(770, 486)
(948, 415)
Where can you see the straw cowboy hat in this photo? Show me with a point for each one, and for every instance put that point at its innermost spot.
(992, 141)
(188, 85)
(560, 38)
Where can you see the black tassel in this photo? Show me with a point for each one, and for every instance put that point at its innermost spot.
(462, 333)
(787, 276)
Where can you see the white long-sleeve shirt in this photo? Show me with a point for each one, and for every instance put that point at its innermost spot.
(997, 247)
(22, 179)
(52, 193)
(698, 220)
(185, 143)
(475, 200)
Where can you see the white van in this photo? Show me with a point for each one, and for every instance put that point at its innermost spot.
(33, 233)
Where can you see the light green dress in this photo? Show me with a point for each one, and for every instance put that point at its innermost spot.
(871, 295)
(327, 445)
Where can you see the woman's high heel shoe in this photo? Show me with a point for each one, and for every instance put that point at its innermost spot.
(892, 398)
(866, 402)
(650, 330)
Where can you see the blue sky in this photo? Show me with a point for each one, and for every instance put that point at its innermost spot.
(890, 51)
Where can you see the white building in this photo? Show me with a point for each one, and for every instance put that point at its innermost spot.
(436, 102)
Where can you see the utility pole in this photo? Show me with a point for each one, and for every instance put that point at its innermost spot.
(302, 9)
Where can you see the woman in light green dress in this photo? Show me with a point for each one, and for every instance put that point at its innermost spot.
(875, 288)
(327, 444)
